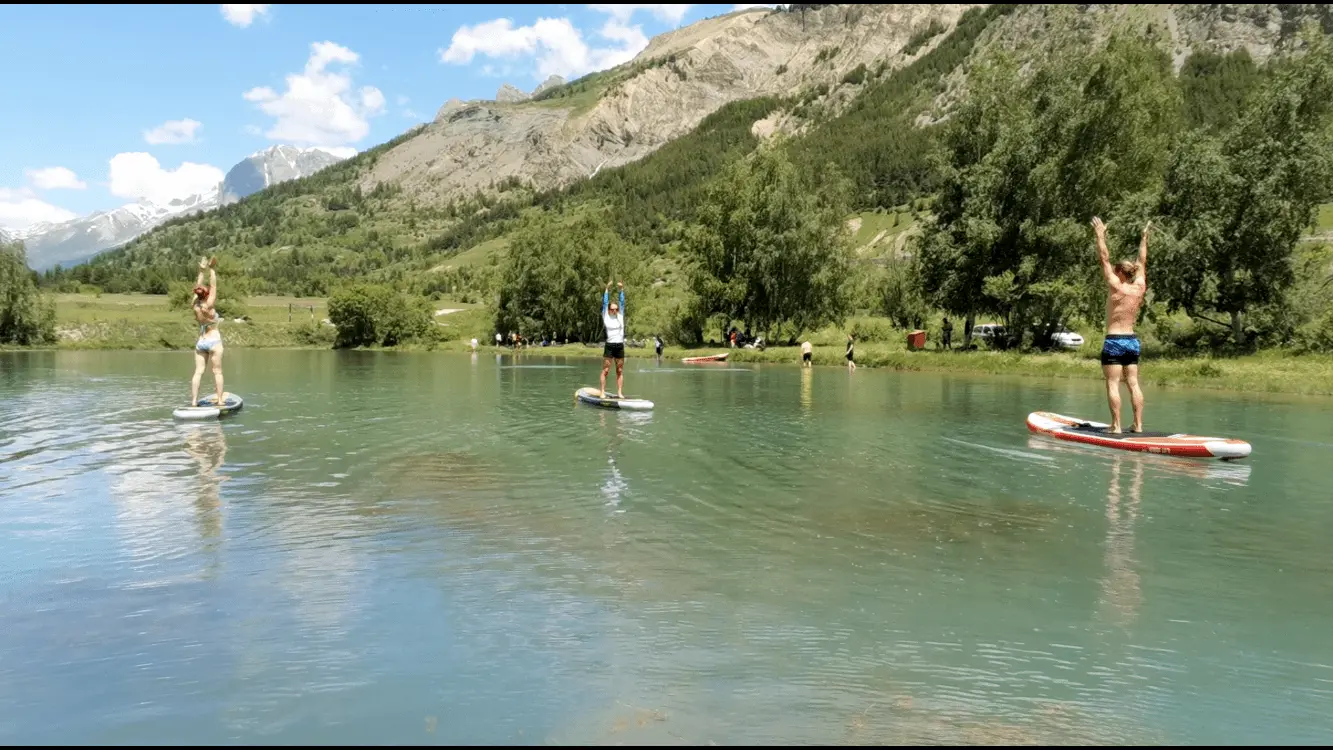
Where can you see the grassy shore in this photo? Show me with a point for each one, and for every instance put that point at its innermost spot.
(1261, 373)
(144, 322)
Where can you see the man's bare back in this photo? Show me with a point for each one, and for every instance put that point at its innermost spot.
(1122, 305)
(1128, 284)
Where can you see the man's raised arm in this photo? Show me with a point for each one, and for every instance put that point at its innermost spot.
(1142, 275)
(1103, 253)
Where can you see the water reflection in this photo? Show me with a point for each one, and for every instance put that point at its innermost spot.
(207, 445)
(807, 387)
(1122, 595)
(615, 485)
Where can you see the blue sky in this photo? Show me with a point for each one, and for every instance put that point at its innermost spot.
(108, 104)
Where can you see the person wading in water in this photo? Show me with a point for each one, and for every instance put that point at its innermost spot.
(1120, 354)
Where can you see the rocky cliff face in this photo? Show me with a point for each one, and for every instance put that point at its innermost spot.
(627, 113)
(1264, 30)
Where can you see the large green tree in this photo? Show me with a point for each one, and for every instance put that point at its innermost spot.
(771, 246)
(1237, 203)
(26, 317)
(554, 275)
(1028, 160)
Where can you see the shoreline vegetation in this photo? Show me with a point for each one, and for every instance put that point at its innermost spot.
(145, 323)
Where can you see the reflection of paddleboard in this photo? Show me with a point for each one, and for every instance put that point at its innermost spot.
(208, 408)
(593, 396)
(710, 358)
(1165, 443)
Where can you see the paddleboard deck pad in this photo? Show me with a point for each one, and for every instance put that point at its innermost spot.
(1180, 444)
(710, 358)
(594, 397)
(208, 407)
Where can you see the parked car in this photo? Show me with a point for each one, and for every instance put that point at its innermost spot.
(988, 332)
(1065, 338)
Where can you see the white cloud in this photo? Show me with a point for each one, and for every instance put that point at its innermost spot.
(19, 210)
(243, 15)
(173, 132)
(556, 44)
(671, 14)
(735, 8)
(138, 175)
(319, 107)
(55, 178)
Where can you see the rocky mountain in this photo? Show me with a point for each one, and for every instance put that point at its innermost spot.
(510, 95)
(550, 83)
(564, 131)
(77, 240)
(5, 237)
(271, 166)
(621, 115)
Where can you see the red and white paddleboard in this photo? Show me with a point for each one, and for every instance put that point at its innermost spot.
(1074, 430)
(710, 358)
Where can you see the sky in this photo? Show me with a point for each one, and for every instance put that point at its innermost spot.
(109, 104)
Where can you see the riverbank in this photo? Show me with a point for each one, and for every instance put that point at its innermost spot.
(144, 323)
(1268, 372)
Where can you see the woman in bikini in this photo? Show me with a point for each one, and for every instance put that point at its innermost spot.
(208, 349)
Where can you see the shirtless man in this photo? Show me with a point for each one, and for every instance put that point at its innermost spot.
(1120, 353)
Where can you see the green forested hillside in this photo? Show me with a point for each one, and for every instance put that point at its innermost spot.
(1021, 158)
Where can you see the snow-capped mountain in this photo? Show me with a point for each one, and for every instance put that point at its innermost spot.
(77, 240)
(274, 165)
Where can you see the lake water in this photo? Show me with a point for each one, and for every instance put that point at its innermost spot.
(446, 548)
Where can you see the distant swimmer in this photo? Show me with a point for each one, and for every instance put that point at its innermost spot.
(806, 351)
(613, 316)
(208, 349)
(1120, 354)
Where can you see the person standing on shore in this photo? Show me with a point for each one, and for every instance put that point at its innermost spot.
(1128, 284)
(948, 332)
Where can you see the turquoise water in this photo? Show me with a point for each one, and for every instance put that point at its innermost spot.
(442, 548)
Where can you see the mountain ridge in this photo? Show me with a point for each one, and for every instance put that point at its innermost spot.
(49, 244)
(384, 217)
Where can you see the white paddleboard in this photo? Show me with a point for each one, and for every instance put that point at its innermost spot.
(593, 396)
(208, 408)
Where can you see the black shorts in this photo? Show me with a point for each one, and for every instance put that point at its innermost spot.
(805, 356)
(849, 356)
(614, 351)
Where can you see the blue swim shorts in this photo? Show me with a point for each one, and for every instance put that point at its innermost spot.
(1120, 349)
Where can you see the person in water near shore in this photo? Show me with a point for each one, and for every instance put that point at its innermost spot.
(806, 351)
(208, 349)
(657, 339)
(613, 317)
(1128, 284)
(851, 353)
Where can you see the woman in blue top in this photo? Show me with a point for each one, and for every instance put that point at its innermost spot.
(613, 317)
(208, 349)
